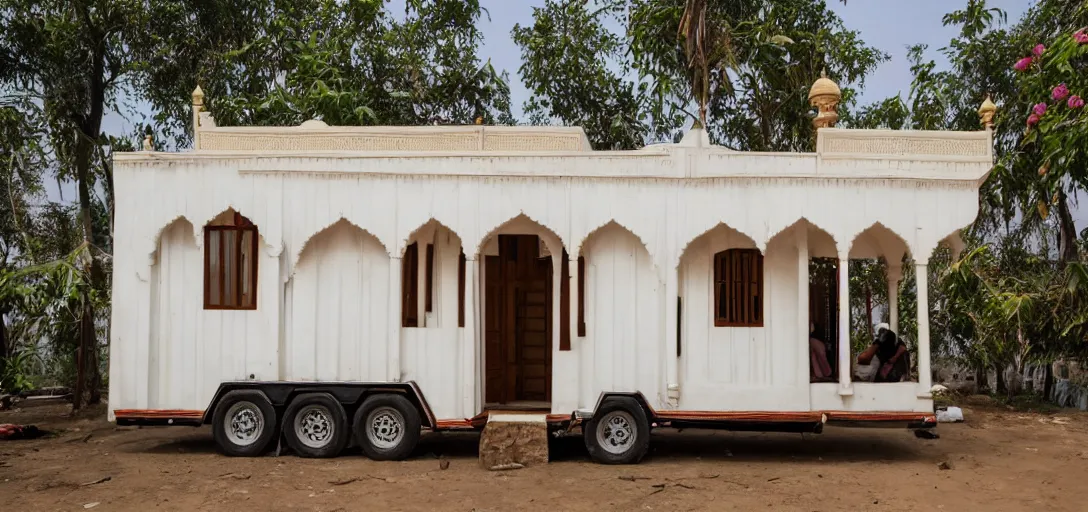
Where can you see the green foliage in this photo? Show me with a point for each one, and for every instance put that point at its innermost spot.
(565, 63)
(758, 84)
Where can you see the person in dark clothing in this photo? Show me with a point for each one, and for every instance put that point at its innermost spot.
(891, 352)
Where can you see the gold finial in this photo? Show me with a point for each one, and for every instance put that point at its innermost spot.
(986, 113)
(825, 96)
(198, 96)
(148, 146)
(480, 120)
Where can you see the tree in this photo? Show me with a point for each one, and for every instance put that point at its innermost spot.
(566, 56)
(757, 61)
(1052, 78)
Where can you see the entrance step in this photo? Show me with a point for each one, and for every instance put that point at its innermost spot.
(511, 438)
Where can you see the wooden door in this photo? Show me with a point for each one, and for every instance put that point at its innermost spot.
(518, 332)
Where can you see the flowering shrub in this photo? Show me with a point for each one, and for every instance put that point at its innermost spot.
(1053, 80)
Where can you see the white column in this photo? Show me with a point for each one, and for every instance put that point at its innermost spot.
(672, 369)
(468, 344)
(895, 274)
(573, 389)
(478, 315)
(803, 319)
(393, 374)
(925, 376)
(845, 362)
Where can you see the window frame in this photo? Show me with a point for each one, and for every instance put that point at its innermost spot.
(240, 226)
(730, 261)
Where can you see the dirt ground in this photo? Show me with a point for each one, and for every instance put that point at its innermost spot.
(1000, 460)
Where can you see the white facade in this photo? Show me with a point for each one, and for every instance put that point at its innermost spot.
(337, 207)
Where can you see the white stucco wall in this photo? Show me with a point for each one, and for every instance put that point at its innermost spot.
(334, 225)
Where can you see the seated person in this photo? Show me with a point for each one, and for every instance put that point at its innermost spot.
(885, 360)
(818, 366)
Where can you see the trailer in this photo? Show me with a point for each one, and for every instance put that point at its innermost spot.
(325, 286)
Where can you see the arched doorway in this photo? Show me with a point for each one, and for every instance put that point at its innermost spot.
(519, 284)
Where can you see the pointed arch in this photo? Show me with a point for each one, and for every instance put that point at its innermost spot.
(523, 224)
(297, 254)
(954, 242)
(878, 241)
(177, 222)
(611, 224)
(431, 226)
(821, 243)
(725, 234)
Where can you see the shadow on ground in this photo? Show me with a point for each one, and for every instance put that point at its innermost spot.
(846, 445)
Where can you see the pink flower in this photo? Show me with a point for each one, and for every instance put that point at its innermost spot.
(1022, 64)
(1039, 109)
(1038, 50)
(1080, 37)
(1033, 120)
(1075, 102)
(1060, 92)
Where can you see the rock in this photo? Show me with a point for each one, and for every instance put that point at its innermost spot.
(514, 439)
(950, 415)
(944, 465)
(443, 464)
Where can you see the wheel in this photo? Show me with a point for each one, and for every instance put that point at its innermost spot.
(244, 423)
(618, 432)
(387, 427)
(315, 425)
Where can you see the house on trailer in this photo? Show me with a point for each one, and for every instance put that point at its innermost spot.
(474, 268)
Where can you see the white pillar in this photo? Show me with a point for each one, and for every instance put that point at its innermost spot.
(803, 319)
(478, 315)
(845, 363)
(895, 274)
(394, 370)
(925, 376)
(573, 389)
(468, 343)
(672, 369)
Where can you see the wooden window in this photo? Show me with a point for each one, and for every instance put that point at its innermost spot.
(738, 288)
(461, 289)
(428, 290)
(230, 264)
(409, 291)
(581, 296)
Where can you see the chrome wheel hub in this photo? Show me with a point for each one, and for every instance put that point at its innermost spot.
(385, 427)
(314, 426)
(244, 423)
(616, 432)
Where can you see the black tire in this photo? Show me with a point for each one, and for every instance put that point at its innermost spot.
(244, 423)
(399, 436)
(315, 425)
(618, 432)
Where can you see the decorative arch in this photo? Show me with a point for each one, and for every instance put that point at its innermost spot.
(954, 242)
(821, 242)
(152, 254)
(527, 225)
(403, 244)
(710, 231)
(269, 248)
(612, 224)
(297, 255)
(878, 240)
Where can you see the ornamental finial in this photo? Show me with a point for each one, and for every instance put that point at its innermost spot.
(986, 113)
(825, 96)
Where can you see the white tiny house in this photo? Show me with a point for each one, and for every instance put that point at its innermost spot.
(483, 268)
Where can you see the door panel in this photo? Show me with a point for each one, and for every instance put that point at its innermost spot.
(519, 307)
